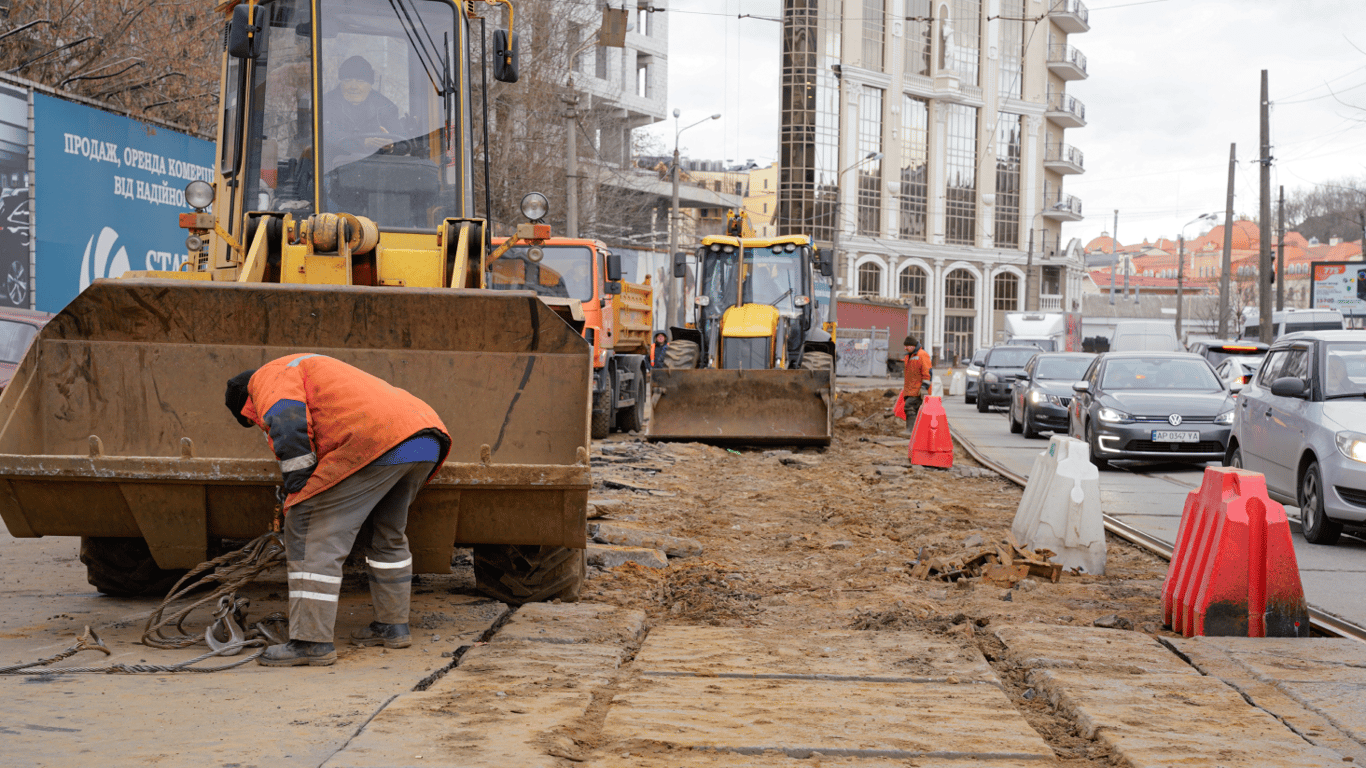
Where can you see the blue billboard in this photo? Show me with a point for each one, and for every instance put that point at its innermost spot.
(106, 198)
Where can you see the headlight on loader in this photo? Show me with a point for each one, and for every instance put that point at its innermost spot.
(199, 194)
(535, 206)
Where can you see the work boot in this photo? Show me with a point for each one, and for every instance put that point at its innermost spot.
(390, 635)
(298, 653)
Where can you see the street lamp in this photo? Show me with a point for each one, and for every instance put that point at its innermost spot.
(676, 286)
(1181, 263)
(1029, 257)
(839, 225)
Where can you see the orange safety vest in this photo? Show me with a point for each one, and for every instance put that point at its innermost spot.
(916, 373)
(353, 417)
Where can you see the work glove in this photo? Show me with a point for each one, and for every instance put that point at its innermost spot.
(296, 472)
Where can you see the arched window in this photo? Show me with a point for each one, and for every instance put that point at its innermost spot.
(960, 290)
(1006, 291)
(913, 285)
(870, 279)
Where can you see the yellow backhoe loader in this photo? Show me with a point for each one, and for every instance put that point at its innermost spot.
(340, 221)
(755, 366)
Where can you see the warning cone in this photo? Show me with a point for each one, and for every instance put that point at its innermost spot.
(931, 445)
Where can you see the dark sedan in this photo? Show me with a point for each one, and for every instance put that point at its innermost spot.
(1042, 394)
(998, 374)
(1155, 406)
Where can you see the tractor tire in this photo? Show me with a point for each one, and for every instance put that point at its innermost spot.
(124, 567)
(817, 361)
(602, 419)
(529, 574)
(681, 354)
(632, 419)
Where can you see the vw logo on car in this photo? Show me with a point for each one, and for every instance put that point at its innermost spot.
(1174, 419)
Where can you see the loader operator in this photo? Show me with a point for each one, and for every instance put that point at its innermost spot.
(358, 118)
(352, 448)
(917, 378)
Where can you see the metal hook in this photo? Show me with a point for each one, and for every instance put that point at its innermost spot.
(226, 629)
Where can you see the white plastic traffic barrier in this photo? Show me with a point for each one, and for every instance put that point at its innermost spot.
(936, 386)
(1060, 509)
(958, 385)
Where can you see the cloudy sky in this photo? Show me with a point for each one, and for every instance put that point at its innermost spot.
(1172, 83)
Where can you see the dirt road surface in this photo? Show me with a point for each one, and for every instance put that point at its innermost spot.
(787, 630)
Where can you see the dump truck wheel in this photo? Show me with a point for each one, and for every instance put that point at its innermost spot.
(632, 419)
(529, 574)
(681, 353)
(817, 361)
(124, 567)
(602, 419)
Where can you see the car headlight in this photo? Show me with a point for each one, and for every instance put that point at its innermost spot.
(1224, 418)
(1036, 397)
(1112, 416)
(1054, 399)
(1352, 445)
(989, 378)
(973, 374)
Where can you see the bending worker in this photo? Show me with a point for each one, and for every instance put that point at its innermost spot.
(917, 378)
(351, 447)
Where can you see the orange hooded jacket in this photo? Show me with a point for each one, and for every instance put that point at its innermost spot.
(349, 418)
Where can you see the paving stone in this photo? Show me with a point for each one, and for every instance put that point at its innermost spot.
(611, 556)
(573, 623)
(625, 535)
(599, 508)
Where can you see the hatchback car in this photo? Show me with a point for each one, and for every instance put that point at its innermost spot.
(1217, 352)
(1301, 422)
(973, 373)
(1042, 394)
(999, 368)
(1238, 370)
(1157, 406)
(17, 329)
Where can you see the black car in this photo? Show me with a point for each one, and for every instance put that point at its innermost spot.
(974, 373)
(1042, 394)
(999, 368)
(1158, 406)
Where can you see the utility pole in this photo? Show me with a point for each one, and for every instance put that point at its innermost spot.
(674, 301)
(1280, 253)
(1114, 255)
(1227, 262)
(1180, 277)
(571, 166)
(1264, 249)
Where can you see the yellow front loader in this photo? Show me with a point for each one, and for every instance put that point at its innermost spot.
(340, 220)
(755, 366)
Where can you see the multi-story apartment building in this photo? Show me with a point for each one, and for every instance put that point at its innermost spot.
(925, 141)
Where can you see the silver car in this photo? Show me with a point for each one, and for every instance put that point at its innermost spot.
(1301, 421)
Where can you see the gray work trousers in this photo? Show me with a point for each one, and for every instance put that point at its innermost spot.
(318, 535)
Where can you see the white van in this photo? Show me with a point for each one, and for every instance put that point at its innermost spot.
(1291, 321)
(1145, 336)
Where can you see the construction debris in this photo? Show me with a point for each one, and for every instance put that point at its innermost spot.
(1005, 564)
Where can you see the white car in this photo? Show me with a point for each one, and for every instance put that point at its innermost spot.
(1301, 421)
(1238, 370)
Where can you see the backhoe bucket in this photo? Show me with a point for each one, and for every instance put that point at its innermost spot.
(114, 424)
(787, 407)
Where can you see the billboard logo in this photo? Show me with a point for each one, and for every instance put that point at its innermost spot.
(103, 266)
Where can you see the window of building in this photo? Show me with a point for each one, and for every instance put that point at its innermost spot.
(1005, 291)
(1050, 281)
(870, 279)
(1011, 81)
(644, 21)
(1009, 129)
(960, 192)
(915, 169)
(643, 89)
(765, 207)
(919, 37)
(912, 286)
(960, 290)
(874, 30)
(958, 337)
(870, 171)
(961, 34)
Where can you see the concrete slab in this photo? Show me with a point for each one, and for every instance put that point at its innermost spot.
(573, 623)
(689, 758)
(799, 718)
(1316, 686)
(1151, 707)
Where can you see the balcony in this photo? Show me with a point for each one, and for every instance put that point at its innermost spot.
(1066, 62)
(1070, 15)
(1064, 208)
(1063, 159)
(1065, 111)
(1050, 302)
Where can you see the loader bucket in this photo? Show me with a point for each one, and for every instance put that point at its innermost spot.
(114, 424)
(788, 407)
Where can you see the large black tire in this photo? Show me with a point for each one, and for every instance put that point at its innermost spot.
(124, 567)
(1318, 529)
(817, 361)
(632, 419)
(602, 419)
(1015, 426)
(682, 353)
(982, 406)
(529, 574)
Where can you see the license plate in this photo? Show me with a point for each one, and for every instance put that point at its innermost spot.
(1175, 437)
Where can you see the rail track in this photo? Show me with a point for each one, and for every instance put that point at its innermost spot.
(1320, 623)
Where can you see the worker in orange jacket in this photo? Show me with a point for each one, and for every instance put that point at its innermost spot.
(351, 447)
(916, 383)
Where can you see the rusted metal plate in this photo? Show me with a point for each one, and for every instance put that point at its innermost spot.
(743, 406)
(143, 363)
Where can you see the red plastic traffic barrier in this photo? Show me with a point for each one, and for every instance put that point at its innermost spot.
(931, 445)
(1233, 570)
